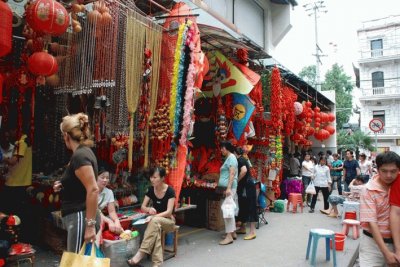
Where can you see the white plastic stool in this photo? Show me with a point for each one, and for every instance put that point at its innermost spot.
(351, 206)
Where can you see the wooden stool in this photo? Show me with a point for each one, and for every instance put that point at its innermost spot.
(172, 252)
(19, 259)
(354, 224)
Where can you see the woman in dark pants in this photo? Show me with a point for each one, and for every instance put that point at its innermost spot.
(322, 182)
(247, 196)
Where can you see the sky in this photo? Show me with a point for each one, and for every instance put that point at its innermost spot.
(337, 36)
(337, 33)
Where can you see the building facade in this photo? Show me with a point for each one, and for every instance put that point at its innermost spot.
(379, 72)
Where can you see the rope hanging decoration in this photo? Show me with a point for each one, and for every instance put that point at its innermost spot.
(154, 37)
(135, 43)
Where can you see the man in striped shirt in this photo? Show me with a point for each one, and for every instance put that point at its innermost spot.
(376, 245)
(395, 215)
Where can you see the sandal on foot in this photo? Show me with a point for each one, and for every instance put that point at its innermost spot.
(132, 263)
(250, 237)
(225, 242)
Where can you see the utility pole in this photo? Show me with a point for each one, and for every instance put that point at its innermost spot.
(314, 8)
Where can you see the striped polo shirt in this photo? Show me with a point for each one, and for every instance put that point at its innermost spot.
(374, 207)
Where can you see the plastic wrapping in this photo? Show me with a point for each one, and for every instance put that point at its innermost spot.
(120, 250)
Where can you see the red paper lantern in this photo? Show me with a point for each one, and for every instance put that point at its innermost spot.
(5, 29)
(308, 104)
(331, 117)
(41, 63)
(330, 129)
(310, 131)
(47, 16)
(321, 135)
(324, 117)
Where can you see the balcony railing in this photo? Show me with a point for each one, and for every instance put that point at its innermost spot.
(376, 91)
(385, 131)
(378, 53)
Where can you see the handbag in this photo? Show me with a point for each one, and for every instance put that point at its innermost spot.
(228, 208)
(311, 189)
(81, 259)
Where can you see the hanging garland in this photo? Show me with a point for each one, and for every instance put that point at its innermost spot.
(190, 80)
(177, 76)
(290, 117)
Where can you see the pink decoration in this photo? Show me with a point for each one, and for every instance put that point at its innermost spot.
(298, 108)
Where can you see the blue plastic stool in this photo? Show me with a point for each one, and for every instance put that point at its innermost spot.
(313, 237)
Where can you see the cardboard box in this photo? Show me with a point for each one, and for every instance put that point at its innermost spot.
(215, 221)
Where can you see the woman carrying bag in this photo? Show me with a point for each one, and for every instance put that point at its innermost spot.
(78, 188)
(228, 178)
(322, 181)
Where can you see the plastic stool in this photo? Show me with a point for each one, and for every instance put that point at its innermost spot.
(350, 206)
(351, 223)
(295, 199)
(313, 238)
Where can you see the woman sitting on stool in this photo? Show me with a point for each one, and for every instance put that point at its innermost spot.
(160, 219)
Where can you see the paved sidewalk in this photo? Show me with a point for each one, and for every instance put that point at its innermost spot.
(281, 243)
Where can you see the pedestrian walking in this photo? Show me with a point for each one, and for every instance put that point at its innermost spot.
(350, 169)
(322, 182)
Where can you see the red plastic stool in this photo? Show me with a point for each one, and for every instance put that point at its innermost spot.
(295, 199)
(354, 224)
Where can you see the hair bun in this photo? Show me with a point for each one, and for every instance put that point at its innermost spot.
(83, 120)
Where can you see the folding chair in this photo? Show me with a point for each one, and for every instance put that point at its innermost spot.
(261, 204)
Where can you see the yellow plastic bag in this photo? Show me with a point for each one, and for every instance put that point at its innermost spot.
(70, 259)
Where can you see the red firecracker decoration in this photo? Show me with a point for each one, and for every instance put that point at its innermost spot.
(5, 29)
(41, 63)
(242, 55)
(276, 101)
(47, 16)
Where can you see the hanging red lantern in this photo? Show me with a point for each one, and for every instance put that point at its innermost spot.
(330, 129)
(310, 131)
(5, 29)
(308, 104)
(317, 109)
(41, 63)
(47, 16)
(321, 135)
(331, 117)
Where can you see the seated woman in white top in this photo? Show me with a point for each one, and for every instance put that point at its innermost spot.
(106, 201)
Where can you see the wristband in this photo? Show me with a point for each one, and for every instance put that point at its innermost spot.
(90, 222)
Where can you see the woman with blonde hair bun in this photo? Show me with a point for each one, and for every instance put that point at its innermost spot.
(78, 187)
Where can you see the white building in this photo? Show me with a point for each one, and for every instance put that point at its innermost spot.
(379, 43)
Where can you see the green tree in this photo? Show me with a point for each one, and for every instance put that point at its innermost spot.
(309, 74)
(354, 141)
(337, 80)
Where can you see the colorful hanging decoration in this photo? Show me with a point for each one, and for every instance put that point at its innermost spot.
(243, 109)
(298, 108)
(161, 135)
(5, 29)
(288, 113)
(47, 16)
(177, 78)
(276, 100)
(224, 77)
(190, 83)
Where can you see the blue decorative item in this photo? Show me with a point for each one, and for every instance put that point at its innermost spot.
(88, 250)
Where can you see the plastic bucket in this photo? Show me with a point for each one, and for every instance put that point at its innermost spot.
(352, 215)
(169, 239)
(339, 241)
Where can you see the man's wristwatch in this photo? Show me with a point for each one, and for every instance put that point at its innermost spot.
(90, 222)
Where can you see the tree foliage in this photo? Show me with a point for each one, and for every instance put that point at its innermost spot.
(309, 74)
(337, 80)
(354, 141)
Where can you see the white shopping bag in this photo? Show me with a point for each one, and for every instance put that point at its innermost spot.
(228, 208)
(311, 189)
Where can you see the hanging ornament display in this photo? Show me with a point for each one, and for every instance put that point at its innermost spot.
(5, 29)
(42, 63)
(47, 16)
(330, 129)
